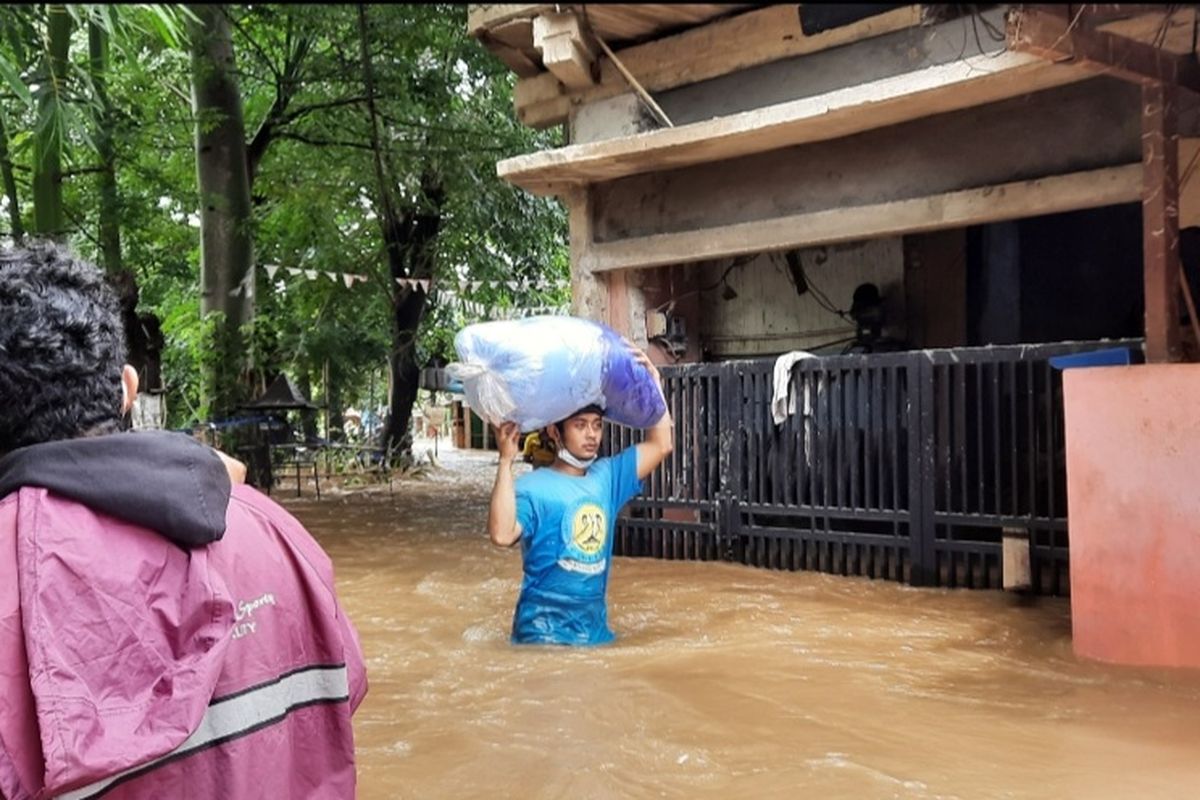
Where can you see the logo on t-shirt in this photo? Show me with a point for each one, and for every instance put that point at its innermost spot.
(589, 529)
(586, 533)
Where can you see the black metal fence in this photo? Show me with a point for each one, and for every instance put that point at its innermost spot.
(904, 466)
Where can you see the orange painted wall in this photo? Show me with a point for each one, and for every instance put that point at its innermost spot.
(1133, 484)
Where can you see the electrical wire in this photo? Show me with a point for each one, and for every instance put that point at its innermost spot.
(737, 262)
(994, 32)
(822, 299)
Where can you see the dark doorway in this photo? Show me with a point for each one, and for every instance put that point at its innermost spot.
(1062, 277)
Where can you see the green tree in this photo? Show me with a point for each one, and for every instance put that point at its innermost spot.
(314, 153)
(110, 208)
(48, 217)
(226, 225)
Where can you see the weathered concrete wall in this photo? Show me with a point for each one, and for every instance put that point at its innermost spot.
(1085, 126)
(829, 70)
(790, 79)
(768, 316)
(623, 115)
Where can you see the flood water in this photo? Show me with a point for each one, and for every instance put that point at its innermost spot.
(725, 681)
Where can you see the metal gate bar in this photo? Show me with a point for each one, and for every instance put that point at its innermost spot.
(904, 466)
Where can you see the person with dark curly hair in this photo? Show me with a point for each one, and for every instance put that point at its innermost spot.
(165, 630)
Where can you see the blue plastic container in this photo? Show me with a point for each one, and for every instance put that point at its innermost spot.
(1113, 357)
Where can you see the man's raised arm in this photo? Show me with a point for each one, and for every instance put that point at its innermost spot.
(660, 440)
(502, 525)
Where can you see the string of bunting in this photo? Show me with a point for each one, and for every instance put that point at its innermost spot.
(350, 279)
(484, 311)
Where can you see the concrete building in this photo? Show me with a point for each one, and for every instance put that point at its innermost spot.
(743, 181)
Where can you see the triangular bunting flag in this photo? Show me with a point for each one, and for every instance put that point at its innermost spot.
(293, 271)
(271, 270)
(333, 276)
(311, 274)
(424, 284)
(347, 279)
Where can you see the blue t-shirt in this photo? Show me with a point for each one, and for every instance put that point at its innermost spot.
(567, 526)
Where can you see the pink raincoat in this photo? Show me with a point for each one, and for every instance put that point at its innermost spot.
(133, 667)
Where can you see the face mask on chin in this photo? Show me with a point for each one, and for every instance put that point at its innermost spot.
(578, 463)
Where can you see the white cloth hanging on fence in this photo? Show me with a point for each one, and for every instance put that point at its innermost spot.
(783, 401)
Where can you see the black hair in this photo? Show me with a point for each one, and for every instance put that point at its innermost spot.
(62, 347)
(588, 409)
(592, 408)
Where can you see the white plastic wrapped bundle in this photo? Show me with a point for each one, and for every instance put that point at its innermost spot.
(538, 370)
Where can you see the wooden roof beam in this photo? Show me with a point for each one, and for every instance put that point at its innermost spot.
(482, 18)
(1048, 32)
(512, 57)
(567, 50)
(734, 43)
(1094, 14)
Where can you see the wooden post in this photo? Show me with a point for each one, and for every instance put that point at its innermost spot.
(1160, 221)
(618, 316)
(1016, 573)
(325, 380)
(589, 293)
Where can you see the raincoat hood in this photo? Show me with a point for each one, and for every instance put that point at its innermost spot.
(166, 482)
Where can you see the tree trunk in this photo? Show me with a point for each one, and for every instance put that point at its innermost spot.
(226, 237)
(10, 185)
(110, 209)
(48, 140)
(411, 240)
(308, 418)
(334, 408)
(410, 236)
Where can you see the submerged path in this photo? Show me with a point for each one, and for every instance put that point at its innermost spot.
(725, 681)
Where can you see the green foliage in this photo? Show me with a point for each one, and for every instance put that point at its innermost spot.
(445, 105)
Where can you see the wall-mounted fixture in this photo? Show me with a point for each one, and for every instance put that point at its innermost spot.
(667, 330)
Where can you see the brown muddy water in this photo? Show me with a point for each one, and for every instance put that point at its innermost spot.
(725, 681)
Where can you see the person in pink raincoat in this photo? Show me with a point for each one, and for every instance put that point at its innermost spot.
(163, 633)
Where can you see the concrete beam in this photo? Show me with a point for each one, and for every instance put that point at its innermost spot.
(937, 89)
(1076, 128)
(1049, 195)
